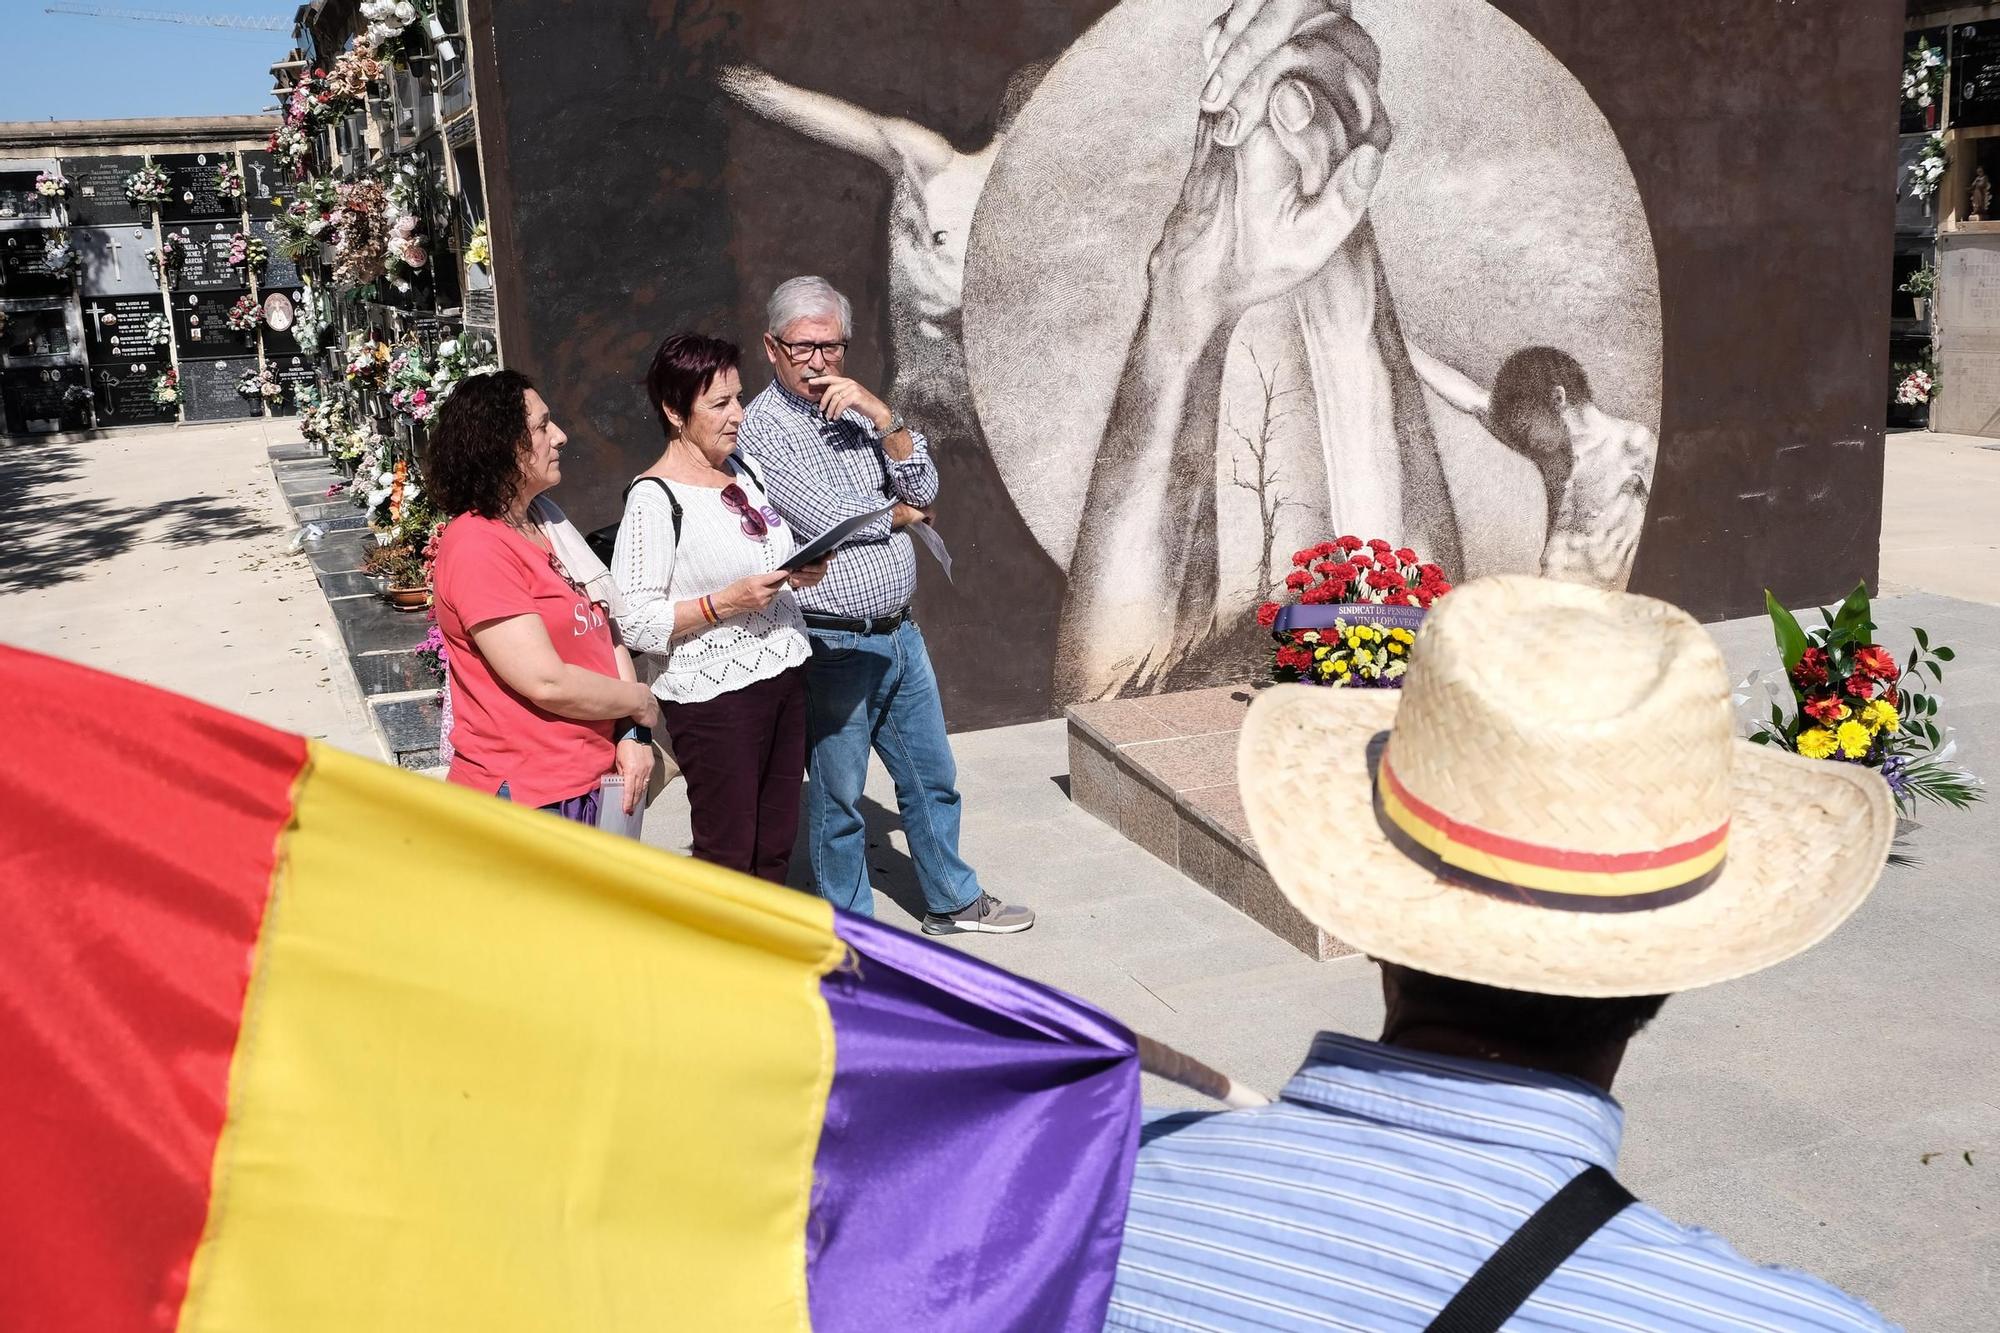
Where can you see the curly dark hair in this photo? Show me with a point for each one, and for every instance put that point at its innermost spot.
(472, 460)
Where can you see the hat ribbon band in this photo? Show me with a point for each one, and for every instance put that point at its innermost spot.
(1539, 876)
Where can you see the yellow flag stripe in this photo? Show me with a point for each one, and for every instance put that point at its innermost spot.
(501, 1073)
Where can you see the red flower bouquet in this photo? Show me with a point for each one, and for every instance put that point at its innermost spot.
(1359, 606)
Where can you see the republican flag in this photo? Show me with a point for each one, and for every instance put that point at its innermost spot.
(293, 1042)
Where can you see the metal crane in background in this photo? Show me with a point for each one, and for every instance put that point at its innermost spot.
(247, 22)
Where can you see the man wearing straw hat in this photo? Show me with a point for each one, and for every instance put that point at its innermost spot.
(1552, 829)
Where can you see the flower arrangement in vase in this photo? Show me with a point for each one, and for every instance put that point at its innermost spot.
(51, 185)
(229, 181)
(479, 247)
(167, 387)
(243, 316)
(159, 330)
(1853, 702)
(61, 257)
(1915, 388)
(260, 384)
(167, 261)
(148, 186)
(248, 252)
(1355, 623)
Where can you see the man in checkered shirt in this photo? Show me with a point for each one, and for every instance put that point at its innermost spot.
(830, 450)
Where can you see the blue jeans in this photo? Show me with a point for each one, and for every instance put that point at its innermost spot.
(877, 691)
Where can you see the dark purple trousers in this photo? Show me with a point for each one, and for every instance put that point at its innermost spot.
(744, 757)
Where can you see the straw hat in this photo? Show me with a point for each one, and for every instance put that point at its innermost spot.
(1562, 805)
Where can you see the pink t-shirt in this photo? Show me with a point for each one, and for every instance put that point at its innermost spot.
(487, 571)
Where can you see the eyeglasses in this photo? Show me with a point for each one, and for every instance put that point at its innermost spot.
(737, 503)
(804, 352)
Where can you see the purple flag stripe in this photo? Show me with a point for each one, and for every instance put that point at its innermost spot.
(977, 1153)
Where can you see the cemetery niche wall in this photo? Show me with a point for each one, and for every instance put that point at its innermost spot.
(124, 258)
(1661, 213)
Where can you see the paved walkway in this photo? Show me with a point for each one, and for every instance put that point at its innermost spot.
(161, 555)
(1817, 1114)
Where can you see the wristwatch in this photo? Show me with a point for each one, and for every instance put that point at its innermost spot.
(896, 423)
(632, 731)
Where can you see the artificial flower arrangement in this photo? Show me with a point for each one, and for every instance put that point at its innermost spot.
(167, 261)
(61, 257)
(159, 330)
(360, 234)
(479, 247)
(404, 242)
(167, 387)
(290, 147)
(247, 251)
(355, 73)
(1923, 75)
(389, 23)
(52, 185)
(419, 383)
(367, 360)
(1854, 703)
(1916, 388)
(147, 186)
(1360, 605)
(243, 316)
(229, 181)
(303, 222)
(310, 317)
(1927, 172)
(260, 384)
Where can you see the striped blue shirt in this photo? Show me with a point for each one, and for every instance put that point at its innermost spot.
(820, 473)
(1369, 1194)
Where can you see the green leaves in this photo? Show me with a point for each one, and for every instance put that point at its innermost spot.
(1852, 618)
(1785, 627)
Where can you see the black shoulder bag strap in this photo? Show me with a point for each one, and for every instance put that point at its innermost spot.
(673, 501)
(1524, 1261)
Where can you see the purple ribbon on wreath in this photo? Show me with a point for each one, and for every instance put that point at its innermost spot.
(1292, 619)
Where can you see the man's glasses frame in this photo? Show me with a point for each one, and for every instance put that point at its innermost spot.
(800, 353)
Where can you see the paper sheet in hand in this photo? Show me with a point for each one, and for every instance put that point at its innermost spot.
(933, 543)
(824, 544)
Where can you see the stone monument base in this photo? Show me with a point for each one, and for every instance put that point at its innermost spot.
(1162, 771)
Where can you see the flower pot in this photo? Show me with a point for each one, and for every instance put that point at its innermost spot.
(408, 599)
(1923, 306)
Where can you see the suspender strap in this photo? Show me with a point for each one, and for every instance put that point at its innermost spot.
(1524, 1261)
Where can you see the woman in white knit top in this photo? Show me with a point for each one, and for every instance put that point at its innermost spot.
(707, 600)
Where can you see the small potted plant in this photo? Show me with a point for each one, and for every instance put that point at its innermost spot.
(404, 575)
(1922, 286)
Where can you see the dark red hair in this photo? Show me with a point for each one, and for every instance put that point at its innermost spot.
(685, 365)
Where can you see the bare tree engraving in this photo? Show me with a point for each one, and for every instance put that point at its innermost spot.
(1264, 480)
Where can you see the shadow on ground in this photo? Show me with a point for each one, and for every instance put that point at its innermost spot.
(890, 870)
(54, 533)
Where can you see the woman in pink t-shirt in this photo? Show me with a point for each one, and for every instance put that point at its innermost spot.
(539, 686)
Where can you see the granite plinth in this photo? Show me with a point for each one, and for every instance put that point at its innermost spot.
(318, 509)
(348, 583)
(309, 486)
(410, 726)
(1162, 771)
(293, 451)
(394, 673)
(340, 550)
(371, 625)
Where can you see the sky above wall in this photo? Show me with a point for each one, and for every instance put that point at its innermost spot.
(67, 67)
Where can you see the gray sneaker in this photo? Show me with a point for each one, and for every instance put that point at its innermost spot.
(983, 914)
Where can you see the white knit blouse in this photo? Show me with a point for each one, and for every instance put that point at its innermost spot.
(713, 553)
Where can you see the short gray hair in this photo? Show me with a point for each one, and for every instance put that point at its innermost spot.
(802, 298)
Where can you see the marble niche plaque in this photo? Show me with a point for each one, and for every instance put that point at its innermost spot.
(114, 260)
(207, 268)
(20, 205)
(125, 393)
(279, 270)
(39, 334)
(191, 187)
(295, 373)
(41, 400)
(24, 273)
(201, 327)
(208, 390)
(263, 183)
(285, 341)
(97, 191)
(116, 328)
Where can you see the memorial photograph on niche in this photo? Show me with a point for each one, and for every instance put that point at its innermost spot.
(1176, 287)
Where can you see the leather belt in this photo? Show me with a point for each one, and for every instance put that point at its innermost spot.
(857, 625)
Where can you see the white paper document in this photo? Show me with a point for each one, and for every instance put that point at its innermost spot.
(928, 535)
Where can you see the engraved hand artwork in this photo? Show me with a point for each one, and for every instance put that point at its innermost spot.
(1290, 146)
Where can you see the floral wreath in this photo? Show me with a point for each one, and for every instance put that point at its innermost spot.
(1355, 624)
(242, 316)
(148, 186)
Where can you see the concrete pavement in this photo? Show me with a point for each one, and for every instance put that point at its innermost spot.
(160, 555)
